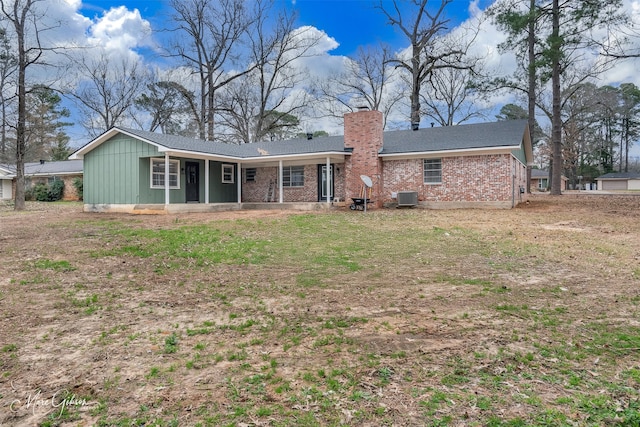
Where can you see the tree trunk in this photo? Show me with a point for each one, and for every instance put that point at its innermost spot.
(531, 40)
(415, 108)
(22, 107)
(415, 89)
(626, 144)
(556, 119)
(210, 108)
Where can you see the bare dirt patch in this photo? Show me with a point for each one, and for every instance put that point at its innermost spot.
(511, 315)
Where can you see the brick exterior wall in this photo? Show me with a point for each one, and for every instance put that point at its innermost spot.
(491, 179)
(363, 133)
(69, 193)
(486, 178)
(256, 191)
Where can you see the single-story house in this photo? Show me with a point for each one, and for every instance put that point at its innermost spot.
(540, 180)
(472, 165)
(43, 172)
(6, 182)
(619, 181)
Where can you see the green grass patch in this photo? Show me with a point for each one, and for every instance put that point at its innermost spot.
(202, 243)
(47, 264)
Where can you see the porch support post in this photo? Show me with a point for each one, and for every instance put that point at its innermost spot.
(166, 179)
(206, 181)
(280, 174)
(329, 180)
(239, 181)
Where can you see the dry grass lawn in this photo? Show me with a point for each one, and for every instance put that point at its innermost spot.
(518, 317)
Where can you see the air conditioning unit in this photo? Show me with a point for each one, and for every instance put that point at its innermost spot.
(407, 198)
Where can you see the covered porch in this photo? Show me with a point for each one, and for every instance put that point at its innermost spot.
(204, 177)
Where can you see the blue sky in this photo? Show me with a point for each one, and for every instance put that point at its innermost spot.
(356, 23)
(352, 23)
(121, 26)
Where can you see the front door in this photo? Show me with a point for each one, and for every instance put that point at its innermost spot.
(192, 186)
(325, 183)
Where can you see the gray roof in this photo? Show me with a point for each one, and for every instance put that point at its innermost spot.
(620, 175)
(462, 137)
(258, 149)
(62, 167)
(54, 168)
(505, 134)
(9, 169)
(539, 173)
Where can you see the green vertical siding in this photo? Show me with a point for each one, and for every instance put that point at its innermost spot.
(219, 192)
(118, 171)
(520, 154)
(114, 172)
(156, 195)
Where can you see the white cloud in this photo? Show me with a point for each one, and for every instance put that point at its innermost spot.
(120, 30)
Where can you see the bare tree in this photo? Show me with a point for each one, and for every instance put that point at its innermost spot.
(570, 36)
(423, 28)
(8, 67)
(262, 102)
(107, 90)
(366, 82)
(214, 31)
(621, 37)
(23, 19)
(451, 97)
(559, 41)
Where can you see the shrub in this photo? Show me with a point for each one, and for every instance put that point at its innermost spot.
(40, 192)
(28, 194)
(78, 184)
(46, 193)
(56, 190)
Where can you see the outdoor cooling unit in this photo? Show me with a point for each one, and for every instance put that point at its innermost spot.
(407, 198)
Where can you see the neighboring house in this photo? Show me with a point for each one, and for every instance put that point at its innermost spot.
(540, 180)
(462, 166)
(619, 181)
(43, 172)
(6, 182)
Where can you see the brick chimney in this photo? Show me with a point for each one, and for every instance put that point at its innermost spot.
(363, 133)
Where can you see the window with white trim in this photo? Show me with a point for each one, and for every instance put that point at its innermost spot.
(293, 176)
(157, 173)
(432, 169)
(228, 173)
(542, 183)
(250, 174)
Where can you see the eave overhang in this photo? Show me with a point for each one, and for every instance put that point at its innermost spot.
(450, 153)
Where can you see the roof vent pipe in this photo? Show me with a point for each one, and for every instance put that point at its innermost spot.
(432, 123)
(415, 126)
(309, 135)
(42, 162)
